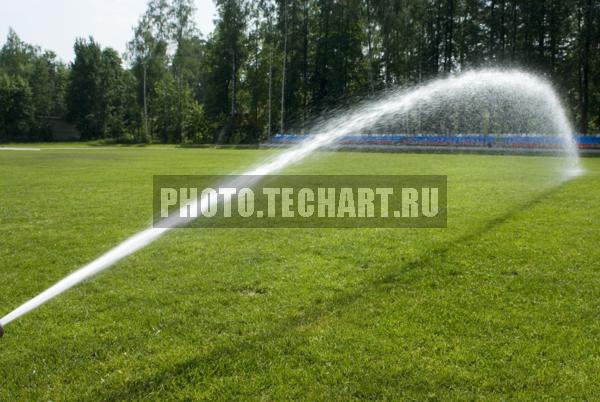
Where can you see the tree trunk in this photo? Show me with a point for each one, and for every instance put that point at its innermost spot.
(514, 30)
(502, 30)
(492, 30)
(449, 36)
(146, 134)
(283, 70)
(270, 106)
(305, 66)
(370, 49)
(587, 12)
(179, 108)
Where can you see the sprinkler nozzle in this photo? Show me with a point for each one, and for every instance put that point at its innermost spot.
(1, 331)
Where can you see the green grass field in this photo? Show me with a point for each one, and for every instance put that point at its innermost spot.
(503, 304)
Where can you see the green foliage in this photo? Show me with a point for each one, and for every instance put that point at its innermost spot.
(273, 65)
(16, 108)
(33, 88)
(85, 89)
(100, 93)
(300, 57)
(179, 118)
(165, 108)
(17, 57)
(195, 126)
(49, 81)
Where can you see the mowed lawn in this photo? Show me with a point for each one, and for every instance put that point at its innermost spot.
(503, 304)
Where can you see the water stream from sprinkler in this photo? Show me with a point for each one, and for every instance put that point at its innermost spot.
(521, 86)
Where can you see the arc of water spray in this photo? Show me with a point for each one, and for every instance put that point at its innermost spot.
(331, 130)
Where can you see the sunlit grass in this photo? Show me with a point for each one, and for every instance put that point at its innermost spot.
(501, 304)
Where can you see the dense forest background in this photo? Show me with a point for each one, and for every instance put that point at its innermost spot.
(271, 65)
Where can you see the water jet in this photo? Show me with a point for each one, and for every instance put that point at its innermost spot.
(522, 94)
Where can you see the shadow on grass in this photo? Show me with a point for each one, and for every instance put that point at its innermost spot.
(217, 361)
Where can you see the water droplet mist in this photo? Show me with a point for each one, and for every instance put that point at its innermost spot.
(524, 95)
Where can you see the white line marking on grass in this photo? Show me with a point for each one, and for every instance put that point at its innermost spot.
(19, 149)
(79, 148)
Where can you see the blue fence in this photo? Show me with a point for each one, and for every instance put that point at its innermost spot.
(521, 141)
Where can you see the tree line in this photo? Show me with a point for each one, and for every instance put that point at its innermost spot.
(271, 65)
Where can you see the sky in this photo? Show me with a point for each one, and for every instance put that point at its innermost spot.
(54, 24)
